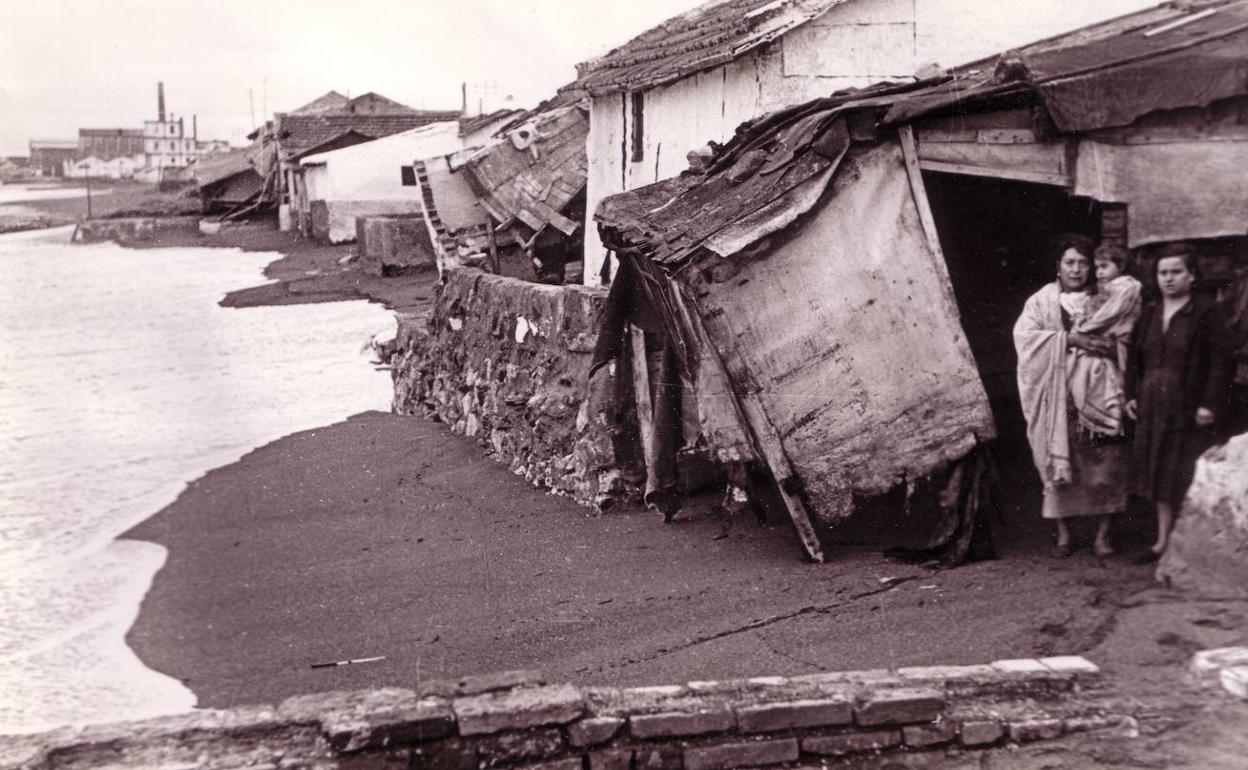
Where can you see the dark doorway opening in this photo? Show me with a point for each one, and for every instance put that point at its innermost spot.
(997, 237)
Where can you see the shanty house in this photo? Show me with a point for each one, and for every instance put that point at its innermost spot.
(518, 201)
(228, 182)
(366, 179)
(696, 77)
(327, 123)
(838, 285)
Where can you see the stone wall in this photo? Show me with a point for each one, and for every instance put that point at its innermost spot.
(506, 362)
(393, 244)
(132, 229)
(1208, 550)
(515, 719)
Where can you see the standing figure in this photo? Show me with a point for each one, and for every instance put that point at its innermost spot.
(1083, 470)
(1177, 378)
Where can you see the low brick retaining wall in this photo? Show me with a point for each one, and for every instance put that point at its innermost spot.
(506, 361)
(516, 720)
(132, 229)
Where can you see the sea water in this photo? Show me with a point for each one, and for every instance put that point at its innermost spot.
(121, 380)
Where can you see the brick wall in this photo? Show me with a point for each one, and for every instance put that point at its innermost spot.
(516, 720)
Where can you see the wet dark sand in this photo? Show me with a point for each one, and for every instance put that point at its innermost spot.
(389, 536)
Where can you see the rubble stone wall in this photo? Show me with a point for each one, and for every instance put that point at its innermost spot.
(1208, 549)
(516, 719)
(132, 229)
(506, 362)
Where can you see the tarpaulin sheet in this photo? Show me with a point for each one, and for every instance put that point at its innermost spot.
(851, 340)
(1173, 191)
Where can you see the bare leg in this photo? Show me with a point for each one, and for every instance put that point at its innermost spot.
(1063, 533)
(1103, 547)
(1165, 522)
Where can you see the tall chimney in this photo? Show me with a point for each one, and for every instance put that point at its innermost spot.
(160, 101)
(463, 93)
(195, 127)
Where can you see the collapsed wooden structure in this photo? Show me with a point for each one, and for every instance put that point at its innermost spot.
(519, 199)
(818, 302)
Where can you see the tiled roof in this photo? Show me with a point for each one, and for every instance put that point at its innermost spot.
(327, 102)
(534, 170)
(706, 37)
(1102, 76)
(298, 133)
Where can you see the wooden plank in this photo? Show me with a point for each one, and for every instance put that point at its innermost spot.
(1006, 136)
(767, 438)
(1017, 175)
(914, 170)
(641, 393)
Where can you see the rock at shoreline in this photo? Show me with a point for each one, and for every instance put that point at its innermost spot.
(1208, 549)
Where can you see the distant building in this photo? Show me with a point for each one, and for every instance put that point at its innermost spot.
(49, 156)
(108, 143)
(330, 122)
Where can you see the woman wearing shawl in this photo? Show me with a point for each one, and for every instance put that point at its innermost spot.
(1081, 458)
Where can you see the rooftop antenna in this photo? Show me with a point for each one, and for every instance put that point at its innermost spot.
(251, 100)
(264, 98)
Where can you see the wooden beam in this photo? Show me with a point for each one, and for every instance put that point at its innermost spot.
(766, 438)
(641, 394)
(1017, 175)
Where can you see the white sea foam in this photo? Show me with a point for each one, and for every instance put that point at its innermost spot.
(120, 381)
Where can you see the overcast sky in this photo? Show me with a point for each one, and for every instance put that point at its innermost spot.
(66, 64)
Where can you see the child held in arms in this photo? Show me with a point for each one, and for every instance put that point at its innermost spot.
(1096, 384)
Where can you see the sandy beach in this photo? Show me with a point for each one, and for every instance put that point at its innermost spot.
(388, 538)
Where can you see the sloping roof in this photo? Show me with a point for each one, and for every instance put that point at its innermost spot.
(331, 101)
(211, 169)
(706, 37)
(373, 103)
(1175, 55)
(1102, 76)
(298, 134)
(534, 170)
(478, 122)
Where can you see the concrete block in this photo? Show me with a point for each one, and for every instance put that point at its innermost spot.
(1070, 664)
(1026, 730)
(658, 758)
(1116, 724)
(924, 736)
(593, 730)
(611, 759)
(907, 705)
(572, 763)
(743, 754)
(769, 717)
(1235, 681)
(945, 673)
(516, 747)
(353, 721)
(518, 709)
(673, 723)
(981, 733)
(851, 743)
(1021, 666)
(454, 754)
(483, 683)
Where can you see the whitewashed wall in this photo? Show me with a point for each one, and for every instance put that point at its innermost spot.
(860, 42)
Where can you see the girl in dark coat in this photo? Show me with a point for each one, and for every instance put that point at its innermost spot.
(1177, 378)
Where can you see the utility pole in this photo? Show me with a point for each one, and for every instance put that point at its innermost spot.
(88, 196)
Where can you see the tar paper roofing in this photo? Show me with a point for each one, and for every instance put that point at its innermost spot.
(706, 37)
(1106, 75)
